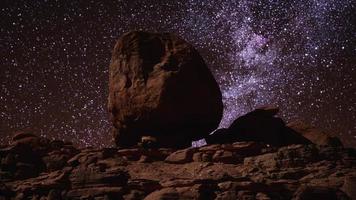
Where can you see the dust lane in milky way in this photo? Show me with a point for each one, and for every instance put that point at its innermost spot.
(299, 55)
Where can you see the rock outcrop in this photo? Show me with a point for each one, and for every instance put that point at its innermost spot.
(313, 134)
(161, 87)
(240, 170)
(260, 125)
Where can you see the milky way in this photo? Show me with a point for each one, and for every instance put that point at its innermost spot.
(299, 55)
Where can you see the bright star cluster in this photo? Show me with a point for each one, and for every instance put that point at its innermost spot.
(298, 55)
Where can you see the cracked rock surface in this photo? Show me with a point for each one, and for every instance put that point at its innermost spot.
(36, 168)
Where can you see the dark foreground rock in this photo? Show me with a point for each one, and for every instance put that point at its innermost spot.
(240, 170)
(261, 125)
(160, 86)
(314, 134)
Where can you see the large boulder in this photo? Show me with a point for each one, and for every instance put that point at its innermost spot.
(160, 86)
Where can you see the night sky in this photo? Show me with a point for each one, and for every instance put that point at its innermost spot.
(297, 54)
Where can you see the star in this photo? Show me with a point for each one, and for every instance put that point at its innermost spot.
(298, 55)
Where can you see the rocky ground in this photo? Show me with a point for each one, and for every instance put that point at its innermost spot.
(36, 168)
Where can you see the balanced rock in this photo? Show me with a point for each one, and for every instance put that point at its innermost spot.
(160, 86)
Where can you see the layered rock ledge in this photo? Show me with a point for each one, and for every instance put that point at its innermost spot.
(36, 168)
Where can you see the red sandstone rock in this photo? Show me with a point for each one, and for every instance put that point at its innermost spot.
(22, 135)
(277, 173)
(181, 156)
(314, 135)
(259, 125)
(160, 86)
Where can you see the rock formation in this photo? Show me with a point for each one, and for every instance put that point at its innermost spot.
(160, 86)
(260, 125)
(313, 134)
(241, 170)
(162, 96)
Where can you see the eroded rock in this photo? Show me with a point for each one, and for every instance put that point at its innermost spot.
(314, 135)
(260, 125)
(160, 86)
(239, 170)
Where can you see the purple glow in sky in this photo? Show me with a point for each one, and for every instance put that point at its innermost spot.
(298, 55)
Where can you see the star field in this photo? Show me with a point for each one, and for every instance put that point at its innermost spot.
(299, 55)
